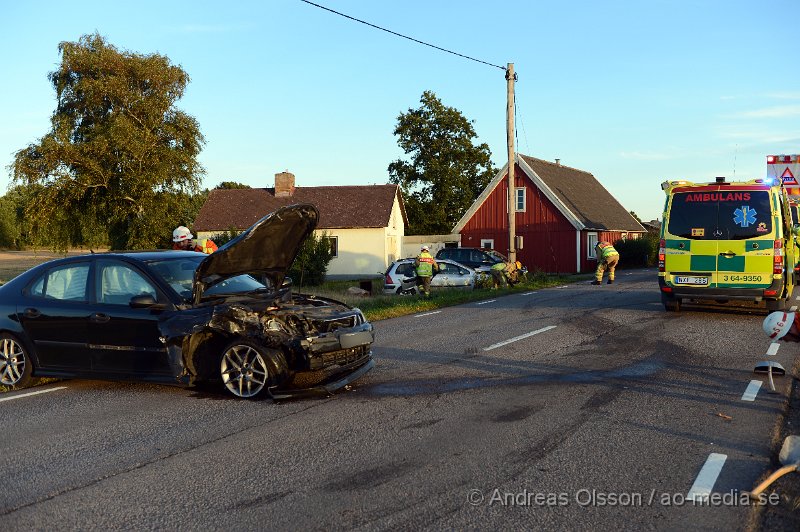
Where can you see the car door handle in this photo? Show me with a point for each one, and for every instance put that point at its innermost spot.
(98, 317)
(32, 313)
(728, 254)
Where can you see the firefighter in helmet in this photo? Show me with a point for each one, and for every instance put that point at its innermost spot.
(183, 239)
(607, 258)
(426, 266)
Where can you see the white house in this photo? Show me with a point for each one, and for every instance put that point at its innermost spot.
(366, 223)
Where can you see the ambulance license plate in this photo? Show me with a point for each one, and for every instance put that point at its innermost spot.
(698, 281)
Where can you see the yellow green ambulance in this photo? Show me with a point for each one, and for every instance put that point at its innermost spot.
(727, 241)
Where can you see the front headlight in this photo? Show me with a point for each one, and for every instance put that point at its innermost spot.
(275, 325)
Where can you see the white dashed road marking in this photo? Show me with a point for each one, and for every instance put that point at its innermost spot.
(528, 293)
(28, 394)
(751, 391)
(773, 348)
(484, 302)
(707, 477)
(428, 314)
(520, 337)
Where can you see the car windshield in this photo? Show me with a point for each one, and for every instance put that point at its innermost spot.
(734, 215)
(496, 256)
(179, 274)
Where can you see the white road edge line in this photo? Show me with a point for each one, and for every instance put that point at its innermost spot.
(428, 314)
(28, 394)
(707, 477)
(751, 391)
(531, 293)
(773, 348)
(520, 337)
(484, 302)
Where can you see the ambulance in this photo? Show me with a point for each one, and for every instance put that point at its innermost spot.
(727, 241)
(785, 169)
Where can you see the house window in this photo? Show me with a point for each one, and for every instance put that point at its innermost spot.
(591, 242)
(333, 242)
(487, 243)
(520, 199)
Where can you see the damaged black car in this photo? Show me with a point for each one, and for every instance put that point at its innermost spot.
(180, 317)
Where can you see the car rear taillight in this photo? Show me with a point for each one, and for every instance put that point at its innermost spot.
(662, 251)
(666, 289)
(777, 266)
(770, 293)
(388, 280)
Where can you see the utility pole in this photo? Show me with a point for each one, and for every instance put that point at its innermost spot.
(512, 205)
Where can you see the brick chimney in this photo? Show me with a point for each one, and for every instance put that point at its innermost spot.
(284, 184)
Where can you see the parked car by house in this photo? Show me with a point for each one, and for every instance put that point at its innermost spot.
(180, 317)
(478, 259)
(400, 277)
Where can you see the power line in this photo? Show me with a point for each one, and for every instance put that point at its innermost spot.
(404, 36)
(518, 118)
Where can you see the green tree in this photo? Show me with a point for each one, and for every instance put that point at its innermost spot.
(230, 185)
(9, 227)
(226, 236)
(120, 158)
(444, 171)
(311, 264)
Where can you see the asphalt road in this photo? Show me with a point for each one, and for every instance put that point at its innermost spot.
(580, 407)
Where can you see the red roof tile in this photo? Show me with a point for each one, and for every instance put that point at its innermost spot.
(340, 207)
(584, 196)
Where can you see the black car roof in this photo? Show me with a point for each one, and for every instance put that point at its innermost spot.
(140, 256)
(151, 255)
(144, 256)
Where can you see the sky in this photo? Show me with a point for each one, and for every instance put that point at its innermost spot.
(634, 92)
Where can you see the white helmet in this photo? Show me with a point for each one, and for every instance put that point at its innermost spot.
(181, 233)
(777, 324)
(425, 248)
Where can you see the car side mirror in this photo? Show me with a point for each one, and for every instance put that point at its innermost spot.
(142, 301)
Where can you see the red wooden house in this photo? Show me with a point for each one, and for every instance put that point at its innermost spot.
(561, 213)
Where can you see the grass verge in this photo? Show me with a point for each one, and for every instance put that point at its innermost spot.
(381, 307)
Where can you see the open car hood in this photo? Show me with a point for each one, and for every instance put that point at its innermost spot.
(268, 247)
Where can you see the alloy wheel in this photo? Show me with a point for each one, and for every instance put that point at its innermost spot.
(12, 362)
(243, 371)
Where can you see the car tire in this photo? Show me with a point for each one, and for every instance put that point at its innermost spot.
(249, 370)
(673, 306)
(16, 365)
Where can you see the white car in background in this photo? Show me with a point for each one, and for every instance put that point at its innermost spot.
(400, 277)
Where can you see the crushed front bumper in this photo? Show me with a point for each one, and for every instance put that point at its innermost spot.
(339, 380)
(338, 348)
